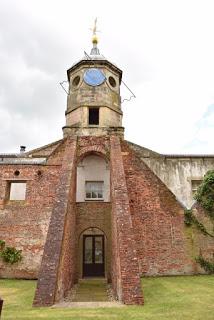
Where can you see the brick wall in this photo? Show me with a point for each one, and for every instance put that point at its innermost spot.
(144, 224)
(125, 268)
(58, 263)
(24, 224)
(158, 220)
(95, 215)
(200, 244)
(90, 144)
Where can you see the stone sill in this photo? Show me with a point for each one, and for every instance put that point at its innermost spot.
(95, 199)
(12, 203)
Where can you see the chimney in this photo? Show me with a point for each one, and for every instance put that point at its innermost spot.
(22, 149)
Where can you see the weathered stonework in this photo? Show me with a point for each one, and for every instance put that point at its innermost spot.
(177, 171)
(81, 97)
(58, 265)
(125, 267)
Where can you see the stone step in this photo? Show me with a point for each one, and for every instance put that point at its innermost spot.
(91, 290)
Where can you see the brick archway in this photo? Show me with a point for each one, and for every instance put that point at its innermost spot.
(91, 233)
(96, 150)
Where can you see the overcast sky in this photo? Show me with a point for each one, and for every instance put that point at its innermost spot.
(164, 47)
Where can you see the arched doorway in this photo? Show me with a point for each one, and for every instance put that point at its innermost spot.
(93, 253)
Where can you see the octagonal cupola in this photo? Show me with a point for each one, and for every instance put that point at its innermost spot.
(93, 102)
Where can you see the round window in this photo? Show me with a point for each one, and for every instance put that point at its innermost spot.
(76, 81)
(112, 82)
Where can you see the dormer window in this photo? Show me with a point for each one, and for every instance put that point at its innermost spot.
(93, 116)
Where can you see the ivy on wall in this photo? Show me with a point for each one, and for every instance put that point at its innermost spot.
(9, 254)
(2, 245)
(205, 197)
(190, 220)
(206, 265)
(205, 193)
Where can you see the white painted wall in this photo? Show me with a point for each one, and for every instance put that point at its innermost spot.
(177, 174)
(92, 168)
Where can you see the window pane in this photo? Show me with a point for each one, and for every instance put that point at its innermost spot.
(98, 250)
(88, 187)
(88, 250)
(94, 189)
(17, 191)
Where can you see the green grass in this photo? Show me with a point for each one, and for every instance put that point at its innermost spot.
(174, 298)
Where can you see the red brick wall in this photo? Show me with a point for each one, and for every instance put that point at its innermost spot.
(97, 145)
(24, 224)
(95, 215)
(125, 268)
(55, 158)
(58, 263)
(68, 261)
(146, 225)
(157, 219)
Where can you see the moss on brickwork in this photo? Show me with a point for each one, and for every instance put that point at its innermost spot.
(205, 193)
(205, 198)
(190, 220)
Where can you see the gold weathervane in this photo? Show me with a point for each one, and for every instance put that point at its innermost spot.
(94, 30)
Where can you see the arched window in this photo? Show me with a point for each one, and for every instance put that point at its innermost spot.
(93, 179)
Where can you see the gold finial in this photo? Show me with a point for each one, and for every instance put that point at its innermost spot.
(94, 30)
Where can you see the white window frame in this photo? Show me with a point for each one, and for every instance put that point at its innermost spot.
(94, 191)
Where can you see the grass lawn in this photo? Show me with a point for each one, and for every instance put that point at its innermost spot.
(174, 298)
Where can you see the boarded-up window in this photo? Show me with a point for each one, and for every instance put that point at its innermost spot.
(17, 191)
(195, 185)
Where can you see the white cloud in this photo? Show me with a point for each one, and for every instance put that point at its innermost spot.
(165, 49)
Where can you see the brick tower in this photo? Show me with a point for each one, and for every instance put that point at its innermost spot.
(90, 232)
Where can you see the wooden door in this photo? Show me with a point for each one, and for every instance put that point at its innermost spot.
(93, 256)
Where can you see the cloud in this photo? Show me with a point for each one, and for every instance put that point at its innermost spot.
(202, 139)
(164, 48)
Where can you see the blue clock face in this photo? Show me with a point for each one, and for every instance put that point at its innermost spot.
(94, 77)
